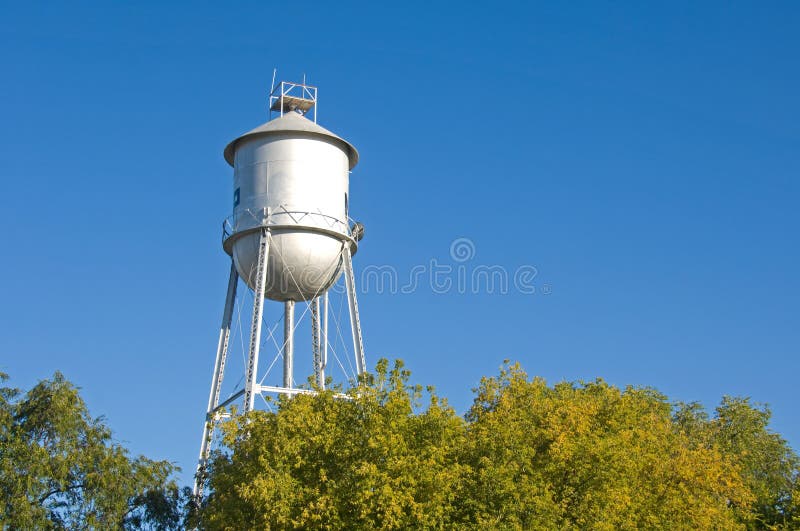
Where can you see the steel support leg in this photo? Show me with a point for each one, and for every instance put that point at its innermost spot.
(255, 330)
(288, 344)
(216, 381)
(316, 342)
(352, 303)
(324, 338)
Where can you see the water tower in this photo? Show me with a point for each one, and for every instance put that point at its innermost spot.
(290, 238)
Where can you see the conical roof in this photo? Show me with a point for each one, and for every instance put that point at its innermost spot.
(291, 121)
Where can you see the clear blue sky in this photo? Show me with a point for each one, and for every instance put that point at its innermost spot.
(644, 159)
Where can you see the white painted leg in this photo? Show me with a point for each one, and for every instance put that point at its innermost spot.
(216, 380)
(316, 342)
(288, 345)
(352, 303)
(255, 330)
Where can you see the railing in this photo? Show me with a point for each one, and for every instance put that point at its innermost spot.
(298, 96)
(247, 218)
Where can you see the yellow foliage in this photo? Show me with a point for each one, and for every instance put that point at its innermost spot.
(527, 455)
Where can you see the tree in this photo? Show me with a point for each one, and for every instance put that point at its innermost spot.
(362, 462)
(588, 455)
(526, 456)
(764, 460)
(60, 469)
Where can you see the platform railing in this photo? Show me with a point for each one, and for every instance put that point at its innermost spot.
(247, 218)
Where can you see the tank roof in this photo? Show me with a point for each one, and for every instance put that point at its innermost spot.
(291, 121)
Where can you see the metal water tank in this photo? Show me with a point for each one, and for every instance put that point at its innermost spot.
(291, 176)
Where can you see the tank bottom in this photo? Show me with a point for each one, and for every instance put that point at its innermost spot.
(300, 264)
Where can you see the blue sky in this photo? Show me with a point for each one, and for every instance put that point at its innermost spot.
(643, 158)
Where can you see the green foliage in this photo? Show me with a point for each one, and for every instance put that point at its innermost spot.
(365, 462)
(588, 455)
(767, 465)
(59, 468)
(527, 456)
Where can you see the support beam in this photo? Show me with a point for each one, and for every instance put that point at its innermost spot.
(288, 344)
(216, 380)
(316, 342)
(255, 328)
(296, 391)
(352, 303)
(324, 338)
(224, 338)
(228, 401)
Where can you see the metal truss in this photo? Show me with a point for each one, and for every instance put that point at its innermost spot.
(318, 306)
(288, 97)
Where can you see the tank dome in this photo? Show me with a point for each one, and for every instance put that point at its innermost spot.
(291, 121)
